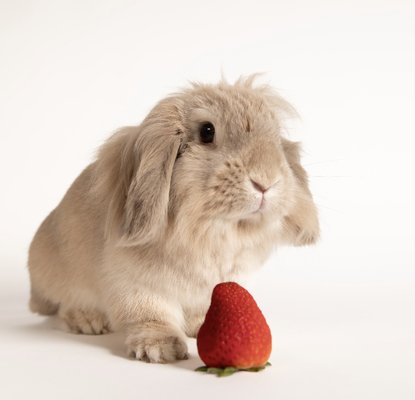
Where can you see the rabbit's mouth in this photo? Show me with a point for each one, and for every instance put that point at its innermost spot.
(261, 206)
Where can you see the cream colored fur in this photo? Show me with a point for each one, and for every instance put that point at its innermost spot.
(158, 219)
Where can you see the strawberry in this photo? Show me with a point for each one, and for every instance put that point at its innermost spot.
(234, 335)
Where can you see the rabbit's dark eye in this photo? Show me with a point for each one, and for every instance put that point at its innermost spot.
(207, 132)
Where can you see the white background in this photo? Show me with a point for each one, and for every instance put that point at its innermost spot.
(342, 312)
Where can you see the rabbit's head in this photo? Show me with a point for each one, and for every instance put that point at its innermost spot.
(211, 152)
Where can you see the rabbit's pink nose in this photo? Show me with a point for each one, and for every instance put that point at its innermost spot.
(259, 187)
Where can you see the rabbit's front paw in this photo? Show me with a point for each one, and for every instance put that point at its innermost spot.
(156, 347)
(90, 322)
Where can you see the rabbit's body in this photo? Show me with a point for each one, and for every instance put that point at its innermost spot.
(73, 267)
(147, 230)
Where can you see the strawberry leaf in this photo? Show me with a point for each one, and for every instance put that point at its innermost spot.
(215, 371)
(227, 371)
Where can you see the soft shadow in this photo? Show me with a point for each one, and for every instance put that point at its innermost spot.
(48, 329)
(191, 364)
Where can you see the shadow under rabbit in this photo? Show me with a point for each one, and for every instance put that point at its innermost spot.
(48, 329)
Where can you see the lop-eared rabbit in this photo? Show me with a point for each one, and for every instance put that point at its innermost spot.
(199, 193)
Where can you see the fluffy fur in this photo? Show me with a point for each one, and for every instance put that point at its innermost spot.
(159, 218)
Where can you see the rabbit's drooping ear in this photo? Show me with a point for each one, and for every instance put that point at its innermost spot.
(156, 149)
(133, 173)
(301, 226)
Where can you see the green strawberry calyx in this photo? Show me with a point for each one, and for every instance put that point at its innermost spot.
(227, 371)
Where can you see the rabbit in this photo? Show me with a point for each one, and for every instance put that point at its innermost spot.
(199, 193)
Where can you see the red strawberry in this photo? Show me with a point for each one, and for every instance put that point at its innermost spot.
(235, 333)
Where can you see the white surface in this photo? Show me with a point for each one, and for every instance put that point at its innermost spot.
(341, 313)
(331, 341)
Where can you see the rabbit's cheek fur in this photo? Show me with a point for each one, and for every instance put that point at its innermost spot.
(224, 191)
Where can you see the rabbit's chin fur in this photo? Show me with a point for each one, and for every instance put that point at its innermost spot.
(159, 218)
